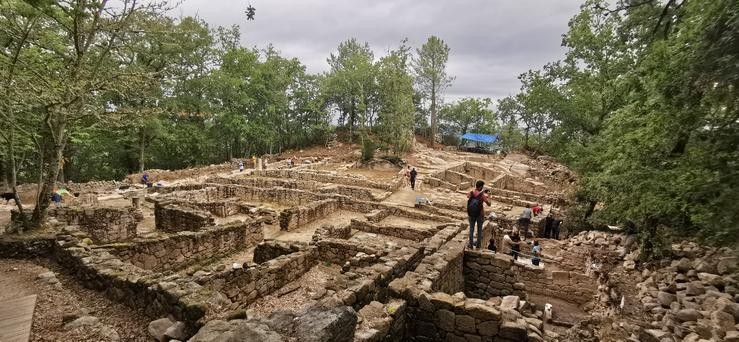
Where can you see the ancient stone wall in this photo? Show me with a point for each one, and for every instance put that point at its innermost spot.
(332, 232)
(268, 250)
(175, 188)
(488, 275)
(394, 230)
(295, 217)
(243, 286)
(103, 225)
(324, 177)
(339, 251)
(99, 270)
(282, 196)
(94, 187)
(174, 218)
(182, 249)
(433, 182)
(262, 182)
(167, 175)
(509, 182)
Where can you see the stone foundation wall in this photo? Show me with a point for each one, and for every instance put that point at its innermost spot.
(282, 196)
(166, 175)
(269, 250)
(295, 217)
(262, 182)
(393, 230)
(174, 188)
(174, 218)
(332, 232)
(97, 269)
(489, 275)
(182, 249)
(94, 187)
(243, 286)
(354, 192)
(103, 225)
(433, 182)
(459, 179)
(509, 182)
(224, 208)
(324, 177)
(340, 251)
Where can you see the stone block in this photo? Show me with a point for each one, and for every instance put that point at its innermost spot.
(446, 320)
(465, 323)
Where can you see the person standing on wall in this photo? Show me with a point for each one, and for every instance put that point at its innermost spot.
(476, 212)
(414, 173)
(555, 229)
(524, 220)
(535, 253)
(548, 225)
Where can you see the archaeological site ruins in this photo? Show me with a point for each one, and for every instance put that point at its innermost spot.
(325, 252)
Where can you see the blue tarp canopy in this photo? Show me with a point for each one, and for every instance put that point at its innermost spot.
(485, 138)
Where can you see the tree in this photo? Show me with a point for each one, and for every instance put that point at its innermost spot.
(74, 53)
(396, 110)
(431, 77)
(350, 84)
(468, 115)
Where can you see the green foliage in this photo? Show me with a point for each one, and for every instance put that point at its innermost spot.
(431, 76)
(396, 111)
(368, 149)
(468, 115)
(644, 107)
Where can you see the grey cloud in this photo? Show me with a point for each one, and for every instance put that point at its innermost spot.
(491, 41)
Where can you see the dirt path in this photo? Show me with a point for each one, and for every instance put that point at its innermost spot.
(19, 278)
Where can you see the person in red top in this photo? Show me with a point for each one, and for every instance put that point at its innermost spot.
(537, 209)
(476, 212)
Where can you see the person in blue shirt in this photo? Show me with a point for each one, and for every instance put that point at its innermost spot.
(535, 253)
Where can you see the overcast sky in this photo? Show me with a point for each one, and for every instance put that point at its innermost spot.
(491, 41)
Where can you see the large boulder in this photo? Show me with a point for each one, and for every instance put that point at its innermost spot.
(158, 328)
(653, 335)
(727, 265)
(235, 331)
(688, 315)
(337, 324)
(665, 299)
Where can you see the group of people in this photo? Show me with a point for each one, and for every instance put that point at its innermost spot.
(511, 240)
(410, 175)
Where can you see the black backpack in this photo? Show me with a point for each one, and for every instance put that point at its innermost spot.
(474, 205)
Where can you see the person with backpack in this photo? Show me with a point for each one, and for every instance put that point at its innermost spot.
(476, 212)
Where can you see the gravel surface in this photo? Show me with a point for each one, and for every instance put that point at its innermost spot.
(54, 301)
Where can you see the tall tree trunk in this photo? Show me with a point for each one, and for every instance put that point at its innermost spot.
(590, 210)
(54, 149)
(433, 114)
(5, 172)
(526, 138)
(142, 149)
(14, 179)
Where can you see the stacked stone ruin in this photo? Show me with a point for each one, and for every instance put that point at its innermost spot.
(400, 282)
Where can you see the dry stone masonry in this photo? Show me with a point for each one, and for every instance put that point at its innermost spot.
(301, 254)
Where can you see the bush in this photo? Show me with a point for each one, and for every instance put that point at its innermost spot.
(368, 150)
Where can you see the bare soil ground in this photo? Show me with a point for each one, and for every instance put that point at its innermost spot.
(67, 297)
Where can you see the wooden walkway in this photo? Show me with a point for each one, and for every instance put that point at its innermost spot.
(16, 316)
